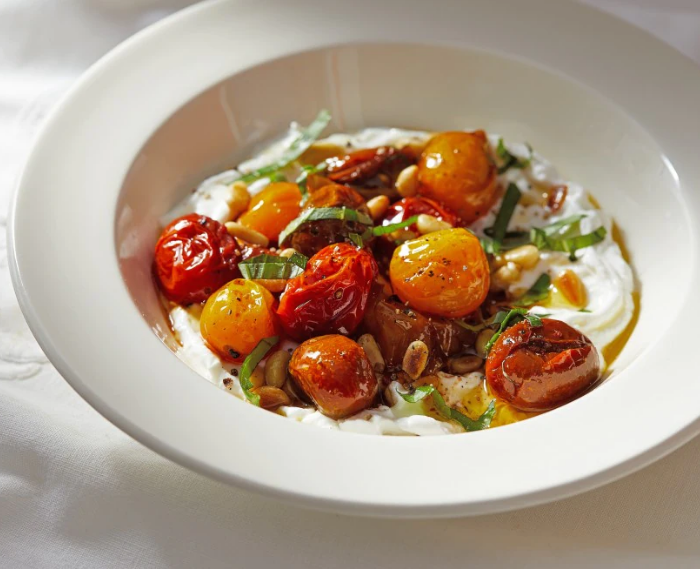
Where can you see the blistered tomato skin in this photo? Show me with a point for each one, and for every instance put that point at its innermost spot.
(273, 209)
(366, 167)
(540, 368)
(455, 169)
(194, 256)
(331, 295)
(444, 273)
(408, 207)
(335, 373)
(236, 317)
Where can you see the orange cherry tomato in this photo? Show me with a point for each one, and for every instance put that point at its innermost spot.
(444, 273)
(194, 256)
(236, 317)
(456, 171)
(273, 209)
(335, 373)
(536, 368)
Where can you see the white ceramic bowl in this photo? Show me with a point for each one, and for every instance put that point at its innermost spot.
(612, 107)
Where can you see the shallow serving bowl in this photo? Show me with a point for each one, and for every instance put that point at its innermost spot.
(613, 108)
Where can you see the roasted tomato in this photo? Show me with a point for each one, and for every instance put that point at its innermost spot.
(271, 210)
(408, 207)
(539, 368)
(335, 373)
(236, 317)
(455, 169)
(331, 295)
(194, 256)
(444, 273)
(394, 326)
(370, 168)
(315, 235)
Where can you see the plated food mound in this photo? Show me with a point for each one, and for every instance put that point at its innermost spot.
(395, 282)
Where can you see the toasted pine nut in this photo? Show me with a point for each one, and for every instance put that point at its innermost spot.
(482, 339)
(240, 198)
(402, 235)
(415, 359)
(374, 355)
(271, 397)
(276, 368)
(257, 378)
(506, 275)
(288, 252)
(428, 224)
(377, 206)
(273, 285)
(246, 234)
(573, 289)
(527, 256)
(464, 364)
(407, 182)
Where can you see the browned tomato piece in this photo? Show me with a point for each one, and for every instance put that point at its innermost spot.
(315, 235)
(370, 168)
(335, 373)
(536, 368)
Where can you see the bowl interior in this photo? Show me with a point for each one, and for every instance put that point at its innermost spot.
(434, 88)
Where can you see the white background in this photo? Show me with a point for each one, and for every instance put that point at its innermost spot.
(76, 492)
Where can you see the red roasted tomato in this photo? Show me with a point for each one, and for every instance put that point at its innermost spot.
(331, 296)
(539, 368)
(194, 256)
(408, 207)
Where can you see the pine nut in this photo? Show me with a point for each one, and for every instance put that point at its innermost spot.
(271, 397)
(429, 224)
(246, 234)
(257, 377)
(288, 252)
(273, 285)
(402, 235)
(527, 256)
(240, 198)
(276, 368)
(374, 355)
(407, 182)
(377, 206)
(482, 339)
(415, 359)
(506, 275)
(464, 364)
(573, 289)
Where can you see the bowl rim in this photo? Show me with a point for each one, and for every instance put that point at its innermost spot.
(578, 474)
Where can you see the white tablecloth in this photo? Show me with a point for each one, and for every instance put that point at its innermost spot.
(76, 492)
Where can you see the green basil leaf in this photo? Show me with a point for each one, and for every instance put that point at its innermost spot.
(483, 422)
(319, 213)
(509, 160)
(299, 145)
(249, 365)
(419, 394)
(277, 177)
(384, 229)
(564, 226)
(500, 225)
(303, 178)
(506, 320)
(584, 310)
(357, 240)
(272, 267)
(538, 291)
(569, 244)
(443, 408)
(534, 320)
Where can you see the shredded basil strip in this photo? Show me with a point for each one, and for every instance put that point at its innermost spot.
(384, 229)
(320, 213)
(273, 267)
(504, 321)
(357, 240)
(500, 226)
(277, 177)
(538, 291)
(303, 178)
(509, 160)
(299, 145)
(483, 422)
(584, 310)
(249, 365)
(568, 245)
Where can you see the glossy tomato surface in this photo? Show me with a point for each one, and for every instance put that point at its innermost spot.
(194, 256)
(408, 207)
(370, 167)
(273, 209)
(331, 295)
(456, 170)
(536, 368)
(444, 273)
(335, 373)
(236, 317)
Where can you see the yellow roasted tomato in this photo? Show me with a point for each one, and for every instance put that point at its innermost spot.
(444, 273)
(273, 209)
(236, 317)
(455, 169)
